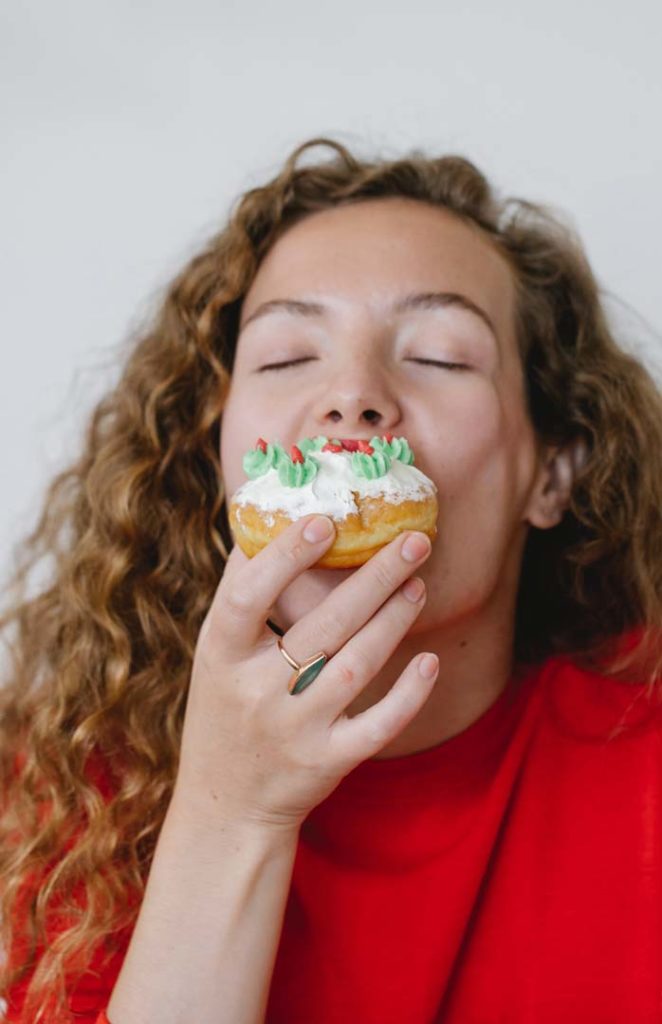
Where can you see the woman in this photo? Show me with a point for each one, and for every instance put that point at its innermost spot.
(460, 818)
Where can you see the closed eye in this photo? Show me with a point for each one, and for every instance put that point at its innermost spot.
(306, 359)
(284, 366)
(440, 362)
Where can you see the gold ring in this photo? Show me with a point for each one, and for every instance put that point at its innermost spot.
(305, 673)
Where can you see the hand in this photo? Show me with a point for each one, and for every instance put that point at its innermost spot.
(250, 750)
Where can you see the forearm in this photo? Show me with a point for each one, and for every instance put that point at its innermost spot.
(207, 934)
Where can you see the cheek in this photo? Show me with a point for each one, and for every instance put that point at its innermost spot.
(483, 472)
(247, 415)
(237, 430)
(231, 472)
(477, 550)
(468, 445)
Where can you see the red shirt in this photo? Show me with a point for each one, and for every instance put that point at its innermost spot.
(511, 874)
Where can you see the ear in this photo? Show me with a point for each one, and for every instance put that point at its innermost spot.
(557, 471)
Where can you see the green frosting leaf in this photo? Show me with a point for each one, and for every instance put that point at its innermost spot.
(398, 449)
(311, 444)
(280, 455)
(257, 463)
(371, 466)
(297, 474)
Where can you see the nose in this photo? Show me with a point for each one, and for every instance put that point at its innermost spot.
(355, 401)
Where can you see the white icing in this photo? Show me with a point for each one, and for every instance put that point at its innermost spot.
(330, 491)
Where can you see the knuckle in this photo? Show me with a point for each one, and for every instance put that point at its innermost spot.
(356, 669)
(237, 599)
(291, 555)
(384, 576)
(345, 675)
(326, 631)
(378, 734)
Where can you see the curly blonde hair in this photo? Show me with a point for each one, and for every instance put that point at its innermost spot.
(136, 535)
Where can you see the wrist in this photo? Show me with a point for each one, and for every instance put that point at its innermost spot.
(204, 819)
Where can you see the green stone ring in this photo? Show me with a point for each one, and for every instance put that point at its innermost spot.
(303, 674)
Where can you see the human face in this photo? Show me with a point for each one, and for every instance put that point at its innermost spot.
(364, 367)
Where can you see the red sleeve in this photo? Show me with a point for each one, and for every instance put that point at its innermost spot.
(102, 1019)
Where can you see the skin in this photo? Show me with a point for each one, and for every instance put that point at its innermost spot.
(468, 428)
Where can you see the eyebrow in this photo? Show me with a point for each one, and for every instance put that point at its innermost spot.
(410, 303)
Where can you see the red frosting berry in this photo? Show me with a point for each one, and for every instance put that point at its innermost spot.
(261, 444)
(364, 446)
(330, 446)
(296, 454)
(349, 445)
(387, 437)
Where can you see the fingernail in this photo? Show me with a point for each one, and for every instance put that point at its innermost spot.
(415, 547)
(318, 529)
(428, 665)
(413, 590)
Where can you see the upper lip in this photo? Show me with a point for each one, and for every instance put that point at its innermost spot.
(357, 438)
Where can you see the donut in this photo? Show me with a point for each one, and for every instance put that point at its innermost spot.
(370, 489)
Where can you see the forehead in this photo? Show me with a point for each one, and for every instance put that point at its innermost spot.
(366, 253)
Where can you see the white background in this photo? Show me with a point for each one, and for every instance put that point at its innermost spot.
(129, 128)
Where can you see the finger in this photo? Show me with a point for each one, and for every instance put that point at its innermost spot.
(363, 736)
(234, 561)
(245, 597)
(354, 601)
(347, 674)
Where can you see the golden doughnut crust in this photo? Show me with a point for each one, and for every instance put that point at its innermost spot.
(358, 537)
